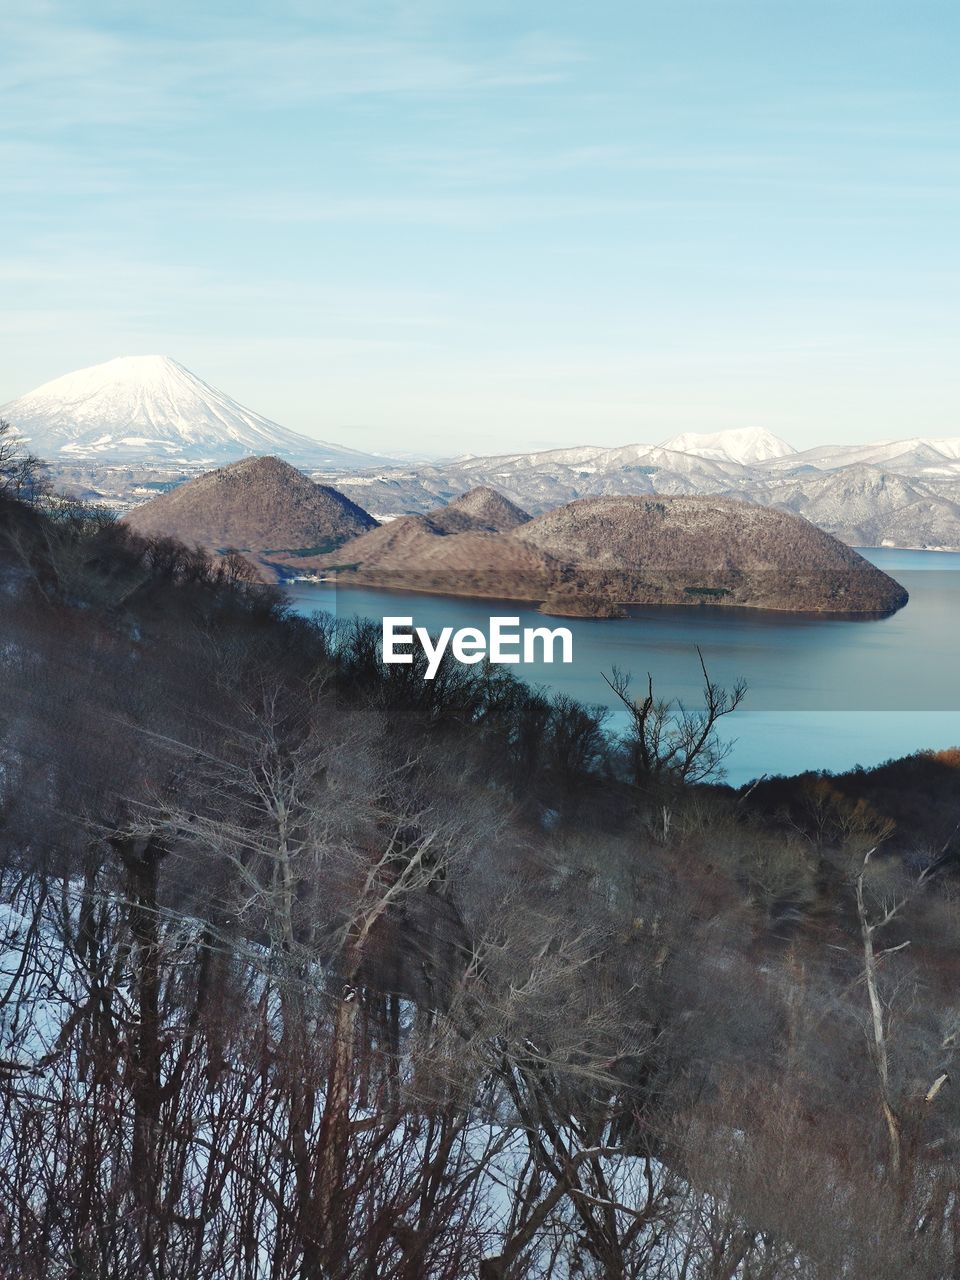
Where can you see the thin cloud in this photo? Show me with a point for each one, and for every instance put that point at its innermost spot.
(59, 72)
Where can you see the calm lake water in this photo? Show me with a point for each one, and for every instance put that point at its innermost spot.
(823, 693)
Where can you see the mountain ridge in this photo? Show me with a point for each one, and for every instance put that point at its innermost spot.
(917, 487)
(114, 431)
(744, 445)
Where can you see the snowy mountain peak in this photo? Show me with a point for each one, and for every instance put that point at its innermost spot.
(746, 445)
(122, 370)
(150, 408)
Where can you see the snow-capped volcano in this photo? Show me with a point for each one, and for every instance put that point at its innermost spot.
(150, 408)
(746, 446)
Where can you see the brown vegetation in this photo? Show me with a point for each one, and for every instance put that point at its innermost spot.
(315, 970)
(260, 506)
(632, 550)
(588, 558)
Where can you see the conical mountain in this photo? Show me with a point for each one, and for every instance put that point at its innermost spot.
(482, 509)
(489, 509)
(257, 505)
(152, 409)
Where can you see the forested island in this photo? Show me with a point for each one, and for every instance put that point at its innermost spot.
(590, 558)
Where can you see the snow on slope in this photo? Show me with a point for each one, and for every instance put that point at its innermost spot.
(915, 457)
(139, 408)
(744, 446)
(948, 446)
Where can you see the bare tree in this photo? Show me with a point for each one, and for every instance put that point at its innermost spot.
(22, 474)
(667, 741)
(870, 924)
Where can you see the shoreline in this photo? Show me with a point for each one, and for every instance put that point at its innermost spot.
(850, 615)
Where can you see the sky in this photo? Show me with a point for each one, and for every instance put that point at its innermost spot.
(481, 225)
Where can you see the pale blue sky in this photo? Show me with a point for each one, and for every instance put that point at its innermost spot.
(462, 225)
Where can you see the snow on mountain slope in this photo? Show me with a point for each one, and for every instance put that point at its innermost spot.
(699, 467)
(948, 446)
(580, 456)
(140, 408)
(915, 457)
(745, 445)
(897, 493)
(866, 506)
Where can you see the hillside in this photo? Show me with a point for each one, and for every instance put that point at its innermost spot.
(662, 550)
(258, 505)
(870, 507)
(255, 882)
(481, 508)
(598, 553)
(454, 550)
(290, 936)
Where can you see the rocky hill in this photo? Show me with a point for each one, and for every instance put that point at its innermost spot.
(465, 548)
(709, 550)
(482, 508)
(261, 506)
(597, 554)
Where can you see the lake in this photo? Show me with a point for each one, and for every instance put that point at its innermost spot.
(823, 693)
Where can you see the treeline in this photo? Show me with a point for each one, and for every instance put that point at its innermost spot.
(312, 969)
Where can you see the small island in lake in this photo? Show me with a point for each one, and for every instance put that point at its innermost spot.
(592, 557)
(588, 558)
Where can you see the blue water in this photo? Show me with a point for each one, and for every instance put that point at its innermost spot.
(823, 693)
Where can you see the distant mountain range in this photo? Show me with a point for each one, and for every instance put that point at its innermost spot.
(150, 409)
(119, 430)
(903, 493)
(744, 446)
